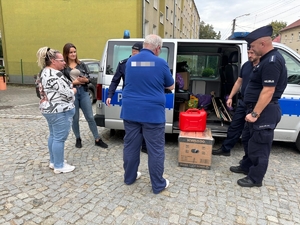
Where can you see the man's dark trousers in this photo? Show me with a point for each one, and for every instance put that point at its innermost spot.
(236, 127)
(257, 140)
(154, 135)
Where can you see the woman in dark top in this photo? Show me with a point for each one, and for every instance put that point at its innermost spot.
(82, 99)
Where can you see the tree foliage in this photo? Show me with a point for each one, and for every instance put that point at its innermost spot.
(207, 32)
(277, 26)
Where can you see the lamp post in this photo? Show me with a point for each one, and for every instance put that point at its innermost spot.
(233, 24)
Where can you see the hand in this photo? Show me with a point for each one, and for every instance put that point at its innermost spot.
(108, 101)
(82, 80)
(75, 90)
(250, 118)
(229, 102)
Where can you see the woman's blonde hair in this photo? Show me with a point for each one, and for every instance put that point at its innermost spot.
(44, 56)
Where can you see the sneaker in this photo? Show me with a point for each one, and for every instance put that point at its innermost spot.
(167, 183)
(66, 169)
(138, 175)
(78, 143)
(220, 152)
(101, 144)
(51, 165)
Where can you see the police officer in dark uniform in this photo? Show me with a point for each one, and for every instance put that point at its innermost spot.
(120, 74)
(266, 85)
(238, 121)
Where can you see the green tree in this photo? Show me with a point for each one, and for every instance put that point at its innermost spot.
(207, 32)
(277, 26)
(1, 52)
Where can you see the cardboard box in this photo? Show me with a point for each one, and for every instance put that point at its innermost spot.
(195, 149)
(186, 78)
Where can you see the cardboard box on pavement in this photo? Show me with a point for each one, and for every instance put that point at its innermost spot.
(195, 149)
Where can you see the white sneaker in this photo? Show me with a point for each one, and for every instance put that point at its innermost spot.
(51, 165)
(66, 169)
(167, 183)
(138, 175)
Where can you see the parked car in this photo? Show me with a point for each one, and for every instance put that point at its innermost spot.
(94, 67)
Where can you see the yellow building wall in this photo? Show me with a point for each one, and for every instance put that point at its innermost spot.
(27, 25)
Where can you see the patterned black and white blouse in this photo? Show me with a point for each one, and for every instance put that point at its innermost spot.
(56, 91)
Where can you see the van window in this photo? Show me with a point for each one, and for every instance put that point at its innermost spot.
(118, 51)
(293, 68)
(202, 66)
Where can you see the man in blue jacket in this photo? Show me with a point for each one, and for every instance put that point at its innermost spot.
(143, 112)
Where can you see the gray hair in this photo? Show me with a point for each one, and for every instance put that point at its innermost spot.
(44, 56)
(152, 41)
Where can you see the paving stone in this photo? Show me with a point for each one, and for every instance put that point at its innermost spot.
(95, 193)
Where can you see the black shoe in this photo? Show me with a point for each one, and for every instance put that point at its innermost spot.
(220, 152)
(144, 150)
(247, 182)
(78, 143)
(237, 169)
(101, 144)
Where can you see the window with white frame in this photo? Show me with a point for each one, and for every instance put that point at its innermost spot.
(292, 37)
(161, 18)
(146, 28)
(175, 21)
(154, 29)
(171, 17)
(155, 4)
(299, 36)
(167, 13)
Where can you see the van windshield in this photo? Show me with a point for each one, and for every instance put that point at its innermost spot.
(120, 50)
(293, 68)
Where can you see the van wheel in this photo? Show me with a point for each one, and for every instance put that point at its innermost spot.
(298, 142)
(91, 95)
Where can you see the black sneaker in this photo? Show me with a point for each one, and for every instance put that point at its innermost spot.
(220, 152)
(78, 143)
(101, 144)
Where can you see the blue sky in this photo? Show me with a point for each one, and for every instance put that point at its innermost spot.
(220, 13)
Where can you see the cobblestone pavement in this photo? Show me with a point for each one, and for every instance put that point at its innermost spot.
(30, 193)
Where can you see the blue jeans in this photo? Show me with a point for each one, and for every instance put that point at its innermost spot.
(82, 101)
(59, 126)
(154, 135)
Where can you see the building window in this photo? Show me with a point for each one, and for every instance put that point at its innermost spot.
(299, 35)
(161, 18)
(171, 17)
(147, 1)
(175, 21)
(285, 39)
(146, 28)
(154, 29)
(167, 13)
(155, 4)
(292, 37)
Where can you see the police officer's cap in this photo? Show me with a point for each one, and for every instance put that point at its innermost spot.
(265, 31)
(138, 46)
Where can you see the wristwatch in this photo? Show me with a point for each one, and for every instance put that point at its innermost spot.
(254, 114)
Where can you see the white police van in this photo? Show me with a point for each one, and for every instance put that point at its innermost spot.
(206, 66)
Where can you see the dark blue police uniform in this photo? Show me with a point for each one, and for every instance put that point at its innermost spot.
(238, 121)
(120, 74)
(257, 137)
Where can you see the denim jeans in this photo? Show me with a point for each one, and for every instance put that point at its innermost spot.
(82, 101)
(59, 126)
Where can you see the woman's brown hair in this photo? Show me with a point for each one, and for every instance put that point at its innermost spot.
(66, 51)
